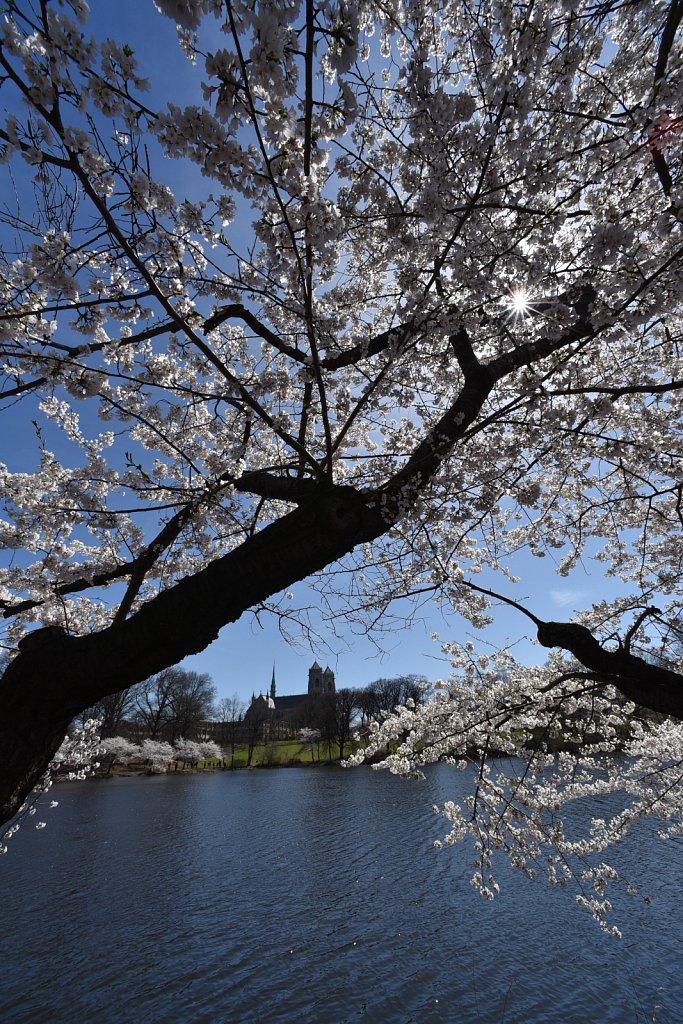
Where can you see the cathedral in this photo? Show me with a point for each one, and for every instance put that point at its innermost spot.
(286, 712)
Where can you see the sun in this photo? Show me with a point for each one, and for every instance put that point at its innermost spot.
(519, 301)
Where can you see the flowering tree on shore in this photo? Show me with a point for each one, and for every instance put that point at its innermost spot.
(422, 313)
(192, 752)
(310, 738)
(158, 754)
(118, 750)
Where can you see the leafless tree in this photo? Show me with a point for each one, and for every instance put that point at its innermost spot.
(230, 713)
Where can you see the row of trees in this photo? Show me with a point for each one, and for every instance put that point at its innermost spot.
(383, 696)
(170, 705)
(348, 707)
(176, 705)
(157, 755)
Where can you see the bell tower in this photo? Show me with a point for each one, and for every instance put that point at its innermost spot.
(315, 680)
(320, 680)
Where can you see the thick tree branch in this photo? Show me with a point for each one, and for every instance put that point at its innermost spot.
(646, 684)
(652, 686)
(284, 488)
(479, 381)
(50, 681)
(673, 20)
(657, 143)
(239, 312)
(394, 339)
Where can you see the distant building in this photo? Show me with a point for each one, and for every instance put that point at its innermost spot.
(319, 681)
(282, 715)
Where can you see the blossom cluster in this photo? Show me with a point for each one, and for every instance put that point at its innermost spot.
(158, 754)
(546, 750)
(438, 141)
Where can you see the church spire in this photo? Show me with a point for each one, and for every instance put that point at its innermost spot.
(272, 683)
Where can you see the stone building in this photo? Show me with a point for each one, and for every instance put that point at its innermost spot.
(282, 716)
(320, 680)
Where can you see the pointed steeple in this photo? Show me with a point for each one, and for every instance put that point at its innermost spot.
(272, 683)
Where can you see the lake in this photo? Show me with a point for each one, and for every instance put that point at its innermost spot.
(310, 896)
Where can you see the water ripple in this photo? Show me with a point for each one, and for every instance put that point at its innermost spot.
(307, 897)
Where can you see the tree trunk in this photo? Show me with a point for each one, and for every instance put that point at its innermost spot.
(55, 675)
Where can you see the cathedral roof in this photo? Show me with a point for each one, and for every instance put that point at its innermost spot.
(263, 698)
(291, 701)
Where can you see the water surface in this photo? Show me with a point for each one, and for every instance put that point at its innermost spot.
(309, 896)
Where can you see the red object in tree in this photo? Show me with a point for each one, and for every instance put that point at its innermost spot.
(664, 132)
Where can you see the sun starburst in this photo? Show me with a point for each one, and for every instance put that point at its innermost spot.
(519, 301)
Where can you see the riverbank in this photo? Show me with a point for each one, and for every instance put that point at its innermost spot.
(275, 754)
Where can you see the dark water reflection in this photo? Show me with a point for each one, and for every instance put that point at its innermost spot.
(309, 897)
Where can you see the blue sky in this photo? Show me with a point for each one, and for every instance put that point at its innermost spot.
(241, 660)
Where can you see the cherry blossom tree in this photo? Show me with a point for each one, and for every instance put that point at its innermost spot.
(209, 750)
(157, 754)
(310, 738)
(118, 750)
(422, 314)
(191, 752)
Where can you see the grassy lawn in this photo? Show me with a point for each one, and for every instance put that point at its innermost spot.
(278, 753)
